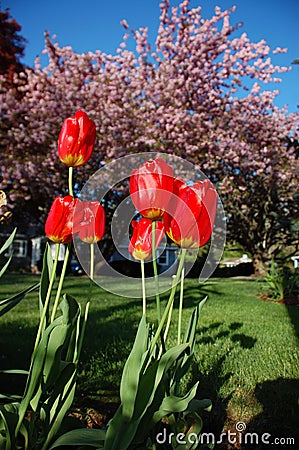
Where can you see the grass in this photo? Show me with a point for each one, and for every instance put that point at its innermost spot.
(246, 357)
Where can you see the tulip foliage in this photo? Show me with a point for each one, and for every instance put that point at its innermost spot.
(36, 419)
(199, 93)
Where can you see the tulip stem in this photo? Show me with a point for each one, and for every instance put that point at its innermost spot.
(143, 288)
(82, 334)
(170, 300)
(47, 300)
(61, 280)
(181, 306)
(91, 261)
(169, 316)
(71, 171)
(154, 258)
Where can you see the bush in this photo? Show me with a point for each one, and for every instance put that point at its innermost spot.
(282, 282)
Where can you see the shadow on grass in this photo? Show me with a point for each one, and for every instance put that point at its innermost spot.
(210, 383)
(16, 343)
(280, 418)
(293, 311)
(108, 340)
(194, 293)
(209, 386)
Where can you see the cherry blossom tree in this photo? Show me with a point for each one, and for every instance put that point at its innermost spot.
(199, 93)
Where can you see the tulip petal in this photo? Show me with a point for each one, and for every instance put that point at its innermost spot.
(140, 245)
(76, 140)
(151, 188)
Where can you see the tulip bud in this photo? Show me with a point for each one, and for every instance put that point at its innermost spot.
(59, 223)
(151, 188)
(91, 225)
(140, 245)
(76, 140)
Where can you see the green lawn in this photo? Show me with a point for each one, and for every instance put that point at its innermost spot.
(246, 355)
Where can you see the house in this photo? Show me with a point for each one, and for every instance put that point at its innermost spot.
(124, 263)
(233, 262)
(239, 266)
(27, 252)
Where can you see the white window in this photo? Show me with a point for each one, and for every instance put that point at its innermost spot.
(18, 249)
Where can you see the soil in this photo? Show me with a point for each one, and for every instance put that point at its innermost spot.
(288, 301)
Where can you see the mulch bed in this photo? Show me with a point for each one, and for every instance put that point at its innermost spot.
(288, 301)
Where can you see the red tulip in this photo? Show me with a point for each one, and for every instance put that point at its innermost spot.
(191, 219)
(76, 140)
(140, 245)
(151, 188)
(90, 222)
(59, 223)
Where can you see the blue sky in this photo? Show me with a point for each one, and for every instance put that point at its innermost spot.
(87, 25)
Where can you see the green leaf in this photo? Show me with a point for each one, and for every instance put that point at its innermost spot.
(194, 421)
(199, 406)
(9, 416)
(8, 303)
(122, 430)
(122, 427)
(153, 389)
(62, 395)
(59, 395)
(56, 342)
(173, 404)
(45, 278)
(47, 356)
(24, 433)
(8, 242)
(4, 268)
(88, 436)
(70, 309)
(34, 380)
(190, 332)
(151, 379)
(15, 371)
(170, 357)
(8, 398)
(131, 371)
(58, 339)
(62, 407)
(184, 363)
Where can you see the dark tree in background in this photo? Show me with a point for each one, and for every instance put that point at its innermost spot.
(12, 46)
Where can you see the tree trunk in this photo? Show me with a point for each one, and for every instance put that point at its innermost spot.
(260, 265)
